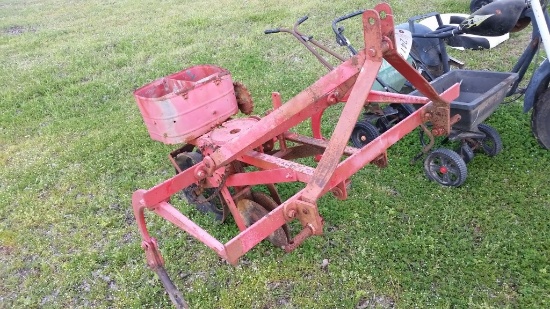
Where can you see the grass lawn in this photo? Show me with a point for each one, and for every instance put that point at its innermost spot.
(73, 149)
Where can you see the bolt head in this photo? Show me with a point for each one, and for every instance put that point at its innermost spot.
(200, 174)
(372, 52)
(291, 213)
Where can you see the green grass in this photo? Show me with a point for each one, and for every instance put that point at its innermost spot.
(74, 149)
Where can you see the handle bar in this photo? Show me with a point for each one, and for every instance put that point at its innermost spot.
(301, 20)
(440, 33)
(270, 31)
(277, 30)
(306, 41)
(339, 31)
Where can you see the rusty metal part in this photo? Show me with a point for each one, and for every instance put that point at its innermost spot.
(175, 295)
(382, 160)
(173, 155)
(307, 213)
(341, 190)
(426, 147)
(269, 204)
(244, 98)
(252, 212)
(304, 234)
(154, 258)
(156, 262)
(268, 146)
(357, 97)
(231, 129)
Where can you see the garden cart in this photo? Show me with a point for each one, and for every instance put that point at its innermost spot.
(495, 17)
(478, 99)
(481, 92)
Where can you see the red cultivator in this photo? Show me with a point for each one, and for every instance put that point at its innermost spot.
(238, 154)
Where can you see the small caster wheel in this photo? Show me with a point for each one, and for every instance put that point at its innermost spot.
(363, 133)
(491, 144)
(445, 167)
(465, 152)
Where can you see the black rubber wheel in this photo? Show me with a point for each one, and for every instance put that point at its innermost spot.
(404, 110)
(477, 4)
(445, 167)
(465, 152)
(491, 144)
(363, 133)
(203, 202)
(540, 119)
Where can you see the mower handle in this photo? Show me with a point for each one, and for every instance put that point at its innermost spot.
(298, 22)
(442, 32)
(301, 20)
(270, 31)
(339, 31)
(306, 41)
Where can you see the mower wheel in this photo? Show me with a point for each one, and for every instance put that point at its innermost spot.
(445, 167)
(540, 124)
(363, 133)
(491, 143)
(477, 4)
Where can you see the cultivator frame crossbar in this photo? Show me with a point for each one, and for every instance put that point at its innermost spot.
(266, 144)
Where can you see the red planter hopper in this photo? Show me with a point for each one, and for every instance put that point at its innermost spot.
(183, 106)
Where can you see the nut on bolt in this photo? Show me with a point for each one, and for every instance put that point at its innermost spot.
(291, 213)
(372, 52)
(337, 192)
(333, 98)
(200, 174)
(144, 245)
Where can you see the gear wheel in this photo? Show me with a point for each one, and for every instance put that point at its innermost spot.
(244, 99)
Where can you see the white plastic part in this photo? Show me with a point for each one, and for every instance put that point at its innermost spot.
(492, 41)
(542, 24)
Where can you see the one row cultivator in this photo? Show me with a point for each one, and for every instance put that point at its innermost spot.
(231, 157)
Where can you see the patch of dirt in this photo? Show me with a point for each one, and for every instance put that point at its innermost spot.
(6, 250)
(477, 232)
(17, 30)
(375, 301)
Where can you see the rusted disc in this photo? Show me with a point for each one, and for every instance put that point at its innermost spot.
(200, 198)
(252, 212)
(244, 98)
(264, 200)
(269, 204)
